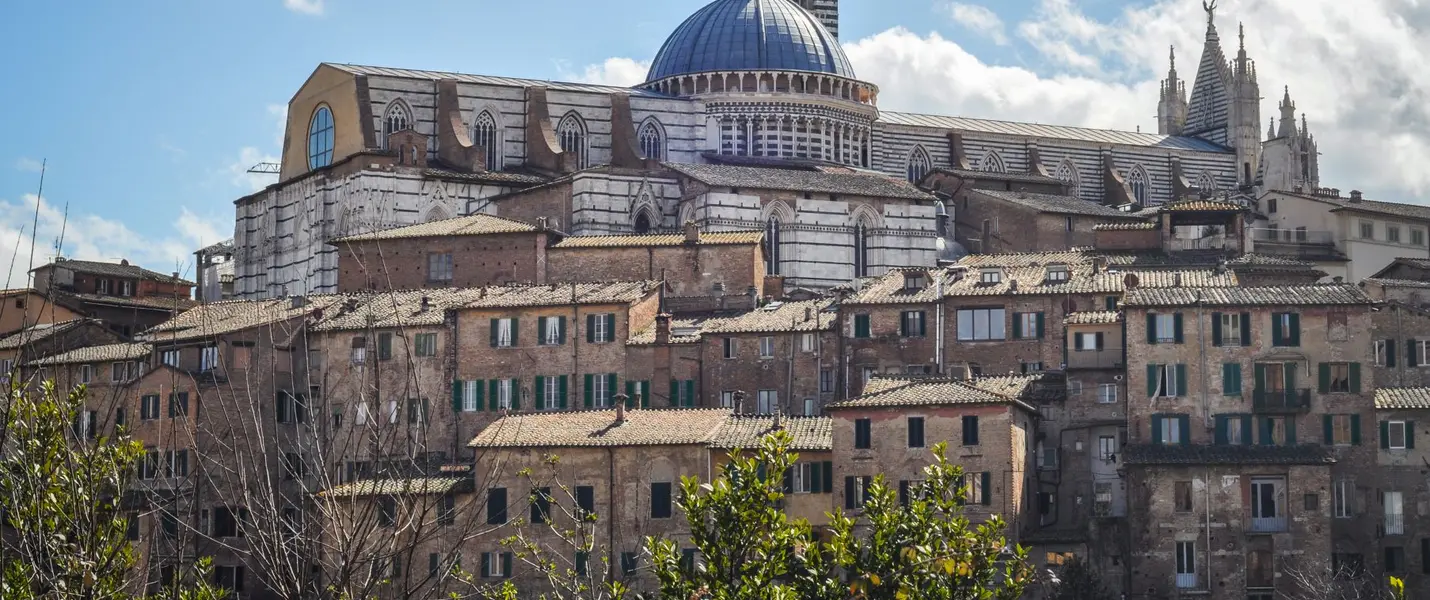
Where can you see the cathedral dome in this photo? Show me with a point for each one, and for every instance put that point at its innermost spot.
(750, 35)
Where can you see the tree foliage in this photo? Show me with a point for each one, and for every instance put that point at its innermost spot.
(1077, 580)
(750, 548)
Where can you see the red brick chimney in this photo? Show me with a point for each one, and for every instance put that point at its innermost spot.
(662, 329)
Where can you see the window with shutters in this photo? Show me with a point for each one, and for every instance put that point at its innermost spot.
(551, 393)
(169, 357)
(149, 407)
(1396, 434)
(1166, 381)
(862, 434)
(1028, 326)
(1422, 353)
(1379, 347)
(1087, 341)
(1164, 328)
(802, 478)
(730, 347)
(767, 346)
(1182, 496)
(1186, 565)
(417, 411)
(1340, 378)
(769, 401)
(471, 396)
(1107, 393)
(1275, 431)
(505, 334)
(974, 490)
(916, 432)
(1286, 329)
(660, 505)
(493, 563)
(602, 390)
(861, 326)
(551, 331)
(1170, 428)
(1230, 329)
(1235, 428)
(981, 324)
(911, 323)
(425, 344)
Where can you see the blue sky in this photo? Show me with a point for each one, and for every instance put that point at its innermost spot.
(144, 109)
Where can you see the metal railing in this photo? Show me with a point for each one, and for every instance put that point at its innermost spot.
(1394, 524)
(1107, 358)
(1214, 242)
(1288, 400)
(1292, 236)
(1268, 524)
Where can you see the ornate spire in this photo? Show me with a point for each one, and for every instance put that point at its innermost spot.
(1288, 115)
(1271, 128)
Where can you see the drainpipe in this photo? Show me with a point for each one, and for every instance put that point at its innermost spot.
(1206, 420)
(611, 499)
(938, 326)
(1209, 527)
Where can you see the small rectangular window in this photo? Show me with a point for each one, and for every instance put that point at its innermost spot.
(660, 504)
(1367, 230)
(551, 333)
(727, 399)
(862, 439)
(1392, 233)
(826, 381)
(970, 430)
(1417, 237)
(807, 342)
(505, 334)
(1165, 328)
(1107, 393)
(586, 499)
(731, 348)
(541, 505)
(425, 344)
(916, 432)
(1231, 329)
(769, 401)
(767, 346)
(439, 268)
(1396, 431)
(496, 506)
(1343, 498)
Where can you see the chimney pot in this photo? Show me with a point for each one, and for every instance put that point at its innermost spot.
(1356, 196)
(124, 262)
(662, 329)
(620, 400)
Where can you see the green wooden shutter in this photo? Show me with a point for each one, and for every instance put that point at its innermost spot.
(1328, 430)
(1216, 329)
(456, 395)
(1410, 435)
(1267, 426)
(1290, 431)
(1018, 326)
(849, 492)
(1151, 328)
(540, 393)
(923, 324)
(1290, 370)
(1276, 330)
(1151, 379)
(1323, 378)
(540, 330)
(478, 389)
(828, 477)
(610, 327)
(1412, 358)
(1385, 435)
(1098, 337)
(1177, 327)
(494, 397)
(1156, 428)
(689, 399)
(590, 329)
(1259, 371)
(1246, 329)
(674, 392)
(486, 564)
(645, 393)
(514, 339)
(1181, 380)
(1355, 430)
(1221, 436)
(561, 392)
(588, 390)
(1041, 330)
(494, 333)
(1231, 379)
(1185, 425)
(630, 393)
(861, 326)
(611, 385)
(987, 478)
(506, 564)
(1390, 353)
(1354, 369)
(561, 330)
(1295, 330)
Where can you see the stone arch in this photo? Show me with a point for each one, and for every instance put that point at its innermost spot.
(863, 214)
(487, 132)
(992, 162)
(651, 135)
(571, 133)
(1139, 183)
(1067, 173)
(918, 164)
(779, 211)
(396, 117)
(436, 213)
(686, 213)
(1206, 182)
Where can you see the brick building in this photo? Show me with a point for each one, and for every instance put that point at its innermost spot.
(1400, 509)
(128, 298)
(45, 339)
(23, 307)
(776, 358)
(468, 251)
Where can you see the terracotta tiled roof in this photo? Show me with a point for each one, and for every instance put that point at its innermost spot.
(1415, 283)
(219, 318)
(642, 427)
(746, 431)
(478, 224)
(1163, 454)
(991, 176)
(40, 331)
(1100, 317)
(889, 288)
(845, 184)
(1268, 260)
(887, 391)
(682, 331)
(1050, 203)
(1394, 209)
(96, 354)
(560, 294)
(1201, 205)
(169, 303)
(715, 238)
(402, 308)
(1130, 226)
(806, 315)
(1114, 258)
(487, 176)
(1410, 398)
(419, 486)
(1301, 295)
(1081, 280)
(109, 269)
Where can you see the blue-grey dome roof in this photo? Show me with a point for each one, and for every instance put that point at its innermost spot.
(750, 35)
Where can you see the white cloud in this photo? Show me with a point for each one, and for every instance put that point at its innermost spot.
(87, 236)
(28, 164)
(979, 19)
(1367, 99)
(617, 71)
(307, 7)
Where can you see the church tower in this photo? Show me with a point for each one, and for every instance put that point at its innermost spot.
(1225, 106)
(1289, 159)
(827, 11)
(1172, 108)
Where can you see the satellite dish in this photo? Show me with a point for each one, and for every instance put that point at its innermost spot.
(1130, 281)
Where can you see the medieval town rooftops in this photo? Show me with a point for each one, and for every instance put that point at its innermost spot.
(221, 318)
(1355, 204)
(894, 391)
(402, 308)
(560, 294)
(993, 176)
(1301, 295)
(683, 330)
(39, 331)
(96, 354)
(1051, 203)
(165, 302)
(1127, 226)
(1081, 280)
(1415, 283)
(806, 315)
(1268, 260)
(819, 182)
(1061, 132)
(1197, 205)
(812, 434)
(417, 486)
(639, 427)
(119, 269)
(720, 238)
(1405, 268)
(1410, 398)
(1084, 255)
(1099, 317)
(1165, 454)
(901, 286)
(478, 224)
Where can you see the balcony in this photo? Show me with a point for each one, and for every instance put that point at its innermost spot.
(1298, 243)
(1395, 524)
(1268, 524)
(1295, 400)
(1108, 358)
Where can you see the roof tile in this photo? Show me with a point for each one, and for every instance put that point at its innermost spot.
(417, 486)
(1128, 226)
(1408, 398)
(96, 354)
(478, 224)
(805, 315)
(113, 270)
(40, 331)
(895, 391)
(721, 238)
(641, 427)
(852, 184)
(1051, 203)
(812, 434)
(1100, 317)
(1300, 295)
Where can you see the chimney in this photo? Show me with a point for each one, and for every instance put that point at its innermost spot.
(1338, 279)
(175, 275)
(739, 402)
(692, 232)
(124, 262)
(806, 313)
(1356, 196)
(620, 400)
(541, 223)
(426, 304)
(662, 329)
(1176, 280)
(779, 422)
(1099, 264)
(297, 302)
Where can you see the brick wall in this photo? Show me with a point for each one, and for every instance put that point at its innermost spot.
(476, 261)
(792, 372)
(689, 270)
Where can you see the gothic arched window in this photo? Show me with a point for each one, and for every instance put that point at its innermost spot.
(992, 163)
(572, 133)
(652, 142)
(484, 135)
(772, 246)
(642, 223)
(1206, 183)
(1137, 180)
(861, 250)
(1067, 173)
(395, 119)
(919, 164)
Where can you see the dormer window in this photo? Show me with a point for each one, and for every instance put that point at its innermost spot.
(914, 281)
(1057, 272)
(990, 276)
